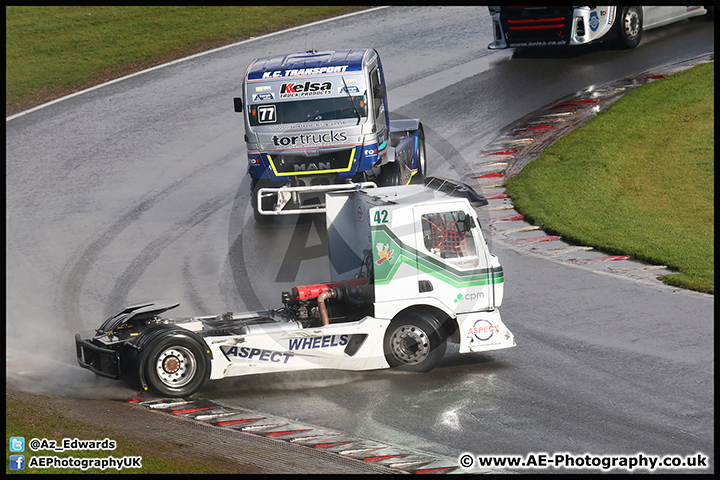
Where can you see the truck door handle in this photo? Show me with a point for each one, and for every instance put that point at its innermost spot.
(425, 286)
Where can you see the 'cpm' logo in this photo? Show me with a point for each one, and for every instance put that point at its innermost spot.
(472, 296)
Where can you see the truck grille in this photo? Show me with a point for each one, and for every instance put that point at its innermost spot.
(294, 164)
(527, 26)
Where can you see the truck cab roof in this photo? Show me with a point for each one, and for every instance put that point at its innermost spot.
(310, 63)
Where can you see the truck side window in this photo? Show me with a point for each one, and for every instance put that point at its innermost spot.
(444, 235)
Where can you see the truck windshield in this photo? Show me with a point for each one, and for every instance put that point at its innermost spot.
(316, 110)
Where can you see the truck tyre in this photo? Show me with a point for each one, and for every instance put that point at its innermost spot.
(414, 342)
(419, 177)
(391, 174)
(175, 364)
(629, 27)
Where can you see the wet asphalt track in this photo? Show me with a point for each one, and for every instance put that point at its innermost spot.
(138, 189)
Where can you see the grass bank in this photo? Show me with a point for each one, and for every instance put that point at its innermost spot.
(51, 51)
(34, 416)
(636, 180)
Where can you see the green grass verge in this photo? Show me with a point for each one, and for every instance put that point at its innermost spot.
(636, 180)
(30, 421)
(51, 51)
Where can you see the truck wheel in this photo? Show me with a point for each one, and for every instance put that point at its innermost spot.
(175, 364)
(391, 174)
(629, 27)
(419, 177)
(414, 342)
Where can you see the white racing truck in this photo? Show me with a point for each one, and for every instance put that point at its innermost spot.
(410, 270)
(318, 122)
(542, 25)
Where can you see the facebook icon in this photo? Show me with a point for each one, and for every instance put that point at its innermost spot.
(17, 462)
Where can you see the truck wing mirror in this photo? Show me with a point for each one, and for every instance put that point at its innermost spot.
(238, 104)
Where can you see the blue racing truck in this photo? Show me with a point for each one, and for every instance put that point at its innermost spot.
(317, 122)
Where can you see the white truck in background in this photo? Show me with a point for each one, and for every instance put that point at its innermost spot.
(539, 25)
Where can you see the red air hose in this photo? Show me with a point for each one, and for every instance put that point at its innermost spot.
(312, 291)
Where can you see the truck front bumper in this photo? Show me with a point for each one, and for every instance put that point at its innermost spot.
(101, 361)
(287, 195)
